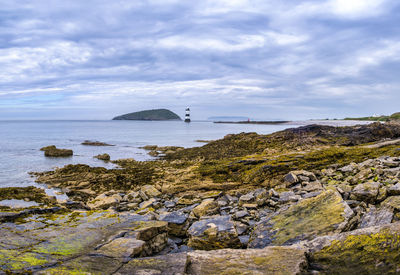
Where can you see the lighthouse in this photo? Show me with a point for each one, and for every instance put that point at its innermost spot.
(187, 115)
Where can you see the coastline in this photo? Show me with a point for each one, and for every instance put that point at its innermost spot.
(247, 185)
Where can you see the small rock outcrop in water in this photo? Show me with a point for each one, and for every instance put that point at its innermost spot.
(105, 157)
(95, 143)
(156, 114)
(53, 151)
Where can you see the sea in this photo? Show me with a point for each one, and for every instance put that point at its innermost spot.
(20, 142)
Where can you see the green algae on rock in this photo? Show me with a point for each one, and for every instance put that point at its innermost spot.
(305, 220)
(29, 193)
(374, 250)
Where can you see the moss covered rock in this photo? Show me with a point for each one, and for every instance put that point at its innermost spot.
(324, 214)
(374, 250)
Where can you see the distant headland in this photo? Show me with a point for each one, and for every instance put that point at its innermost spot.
(155, 114)
(395, 116)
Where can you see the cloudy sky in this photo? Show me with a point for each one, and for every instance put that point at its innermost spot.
(266, 59)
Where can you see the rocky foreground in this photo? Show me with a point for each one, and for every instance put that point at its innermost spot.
(315, 199)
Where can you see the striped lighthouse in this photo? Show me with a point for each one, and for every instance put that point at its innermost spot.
(187, 115)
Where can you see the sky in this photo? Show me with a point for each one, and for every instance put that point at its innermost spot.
(263, 59)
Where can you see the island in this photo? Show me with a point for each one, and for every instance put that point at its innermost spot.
(155, 114)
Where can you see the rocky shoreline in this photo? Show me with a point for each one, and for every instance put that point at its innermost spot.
(308, 200)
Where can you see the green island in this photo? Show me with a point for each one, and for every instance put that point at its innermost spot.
(155, 114)
(306, 200)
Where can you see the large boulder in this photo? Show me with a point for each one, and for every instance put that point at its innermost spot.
(373, 250)
(271, 260)
(213, 233)
(324, 214)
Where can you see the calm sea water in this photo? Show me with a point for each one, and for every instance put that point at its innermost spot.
(20, 141)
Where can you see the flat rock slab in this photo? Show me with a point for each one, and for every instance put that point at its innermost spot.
(309, 218)
(160, 265)
(41, 241)
(373, 250)
(271, 260)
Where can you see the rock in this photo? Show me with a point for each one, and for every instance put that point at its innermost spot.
(206, 207)
(150, 191)
(240, 228)
(147, 203)
(177, 223)
(122, 248)
(392, 203)
(248, 198)
(169, 204)
(241, 214)
(103, 201)
(394, 190)
(53, 151)
(160, 265)
(312, 186)
(105, 157)
(244, 239)
(376, 217)
(72, 242)
(324, 214)
(213, 233)
(95, 143)
(288, 196)
(373, 250)
(290, 179)
(271, 260)
(367, 192)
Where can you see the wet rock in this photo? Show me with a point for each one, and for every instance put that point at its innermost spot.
(367, 192)
(177, 223)
(213, 233)
(376, 217)
(324, 214)
(105, 157)
(53, 151)
(271, 260)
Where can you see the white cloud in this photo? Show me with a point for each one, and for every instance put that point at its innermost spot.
(232, 44)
